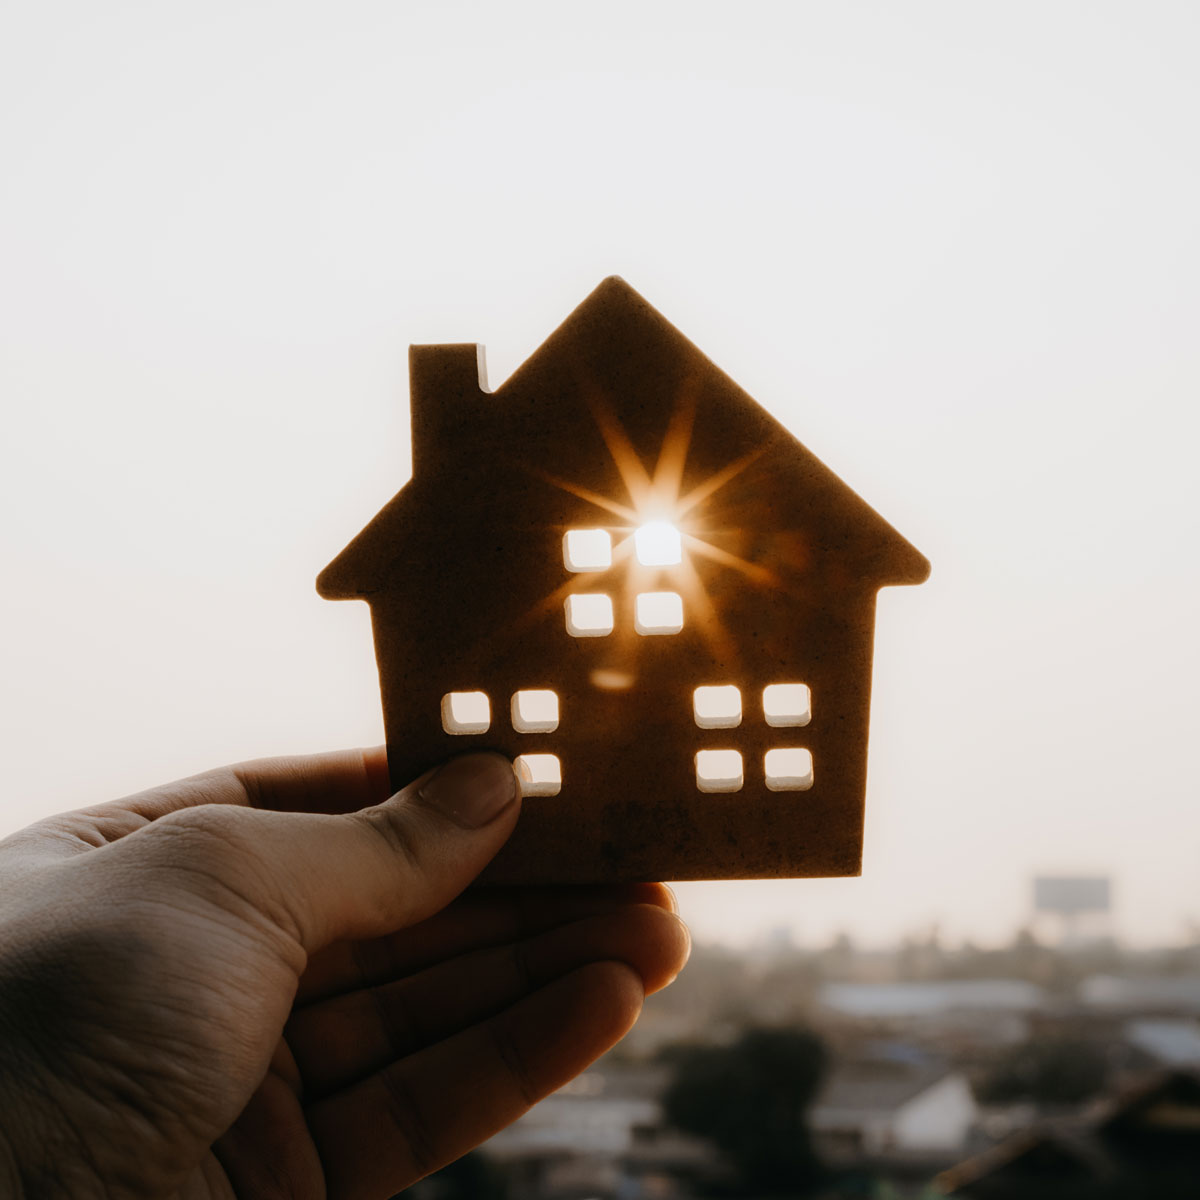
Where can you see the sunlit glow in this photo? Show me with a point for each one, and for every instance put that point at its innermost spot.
(466, 712)
(718, 770)
(655, 518)
(658, 612)
(587, 550)
(787, 704)
(658, 544)
(717, 707)
(789, 769)
(589, 614)
(540, 774)
(535, 711)
(609, 680)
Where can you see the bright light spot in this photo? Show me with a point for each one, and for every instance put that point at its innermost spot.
(658, 544)
(789, 770)
(589, 614)
(717, 707)
(787, 704)
(587, 550)
(540, 774)
(718, 770)
(466, 712)
(535, 711)
(611, 681)
(658, 612)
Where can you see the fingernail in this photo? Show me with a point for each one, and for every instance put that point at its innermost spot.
(473, 790)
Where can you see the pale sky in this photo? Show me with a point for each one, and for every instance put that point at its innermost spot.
(953, 247)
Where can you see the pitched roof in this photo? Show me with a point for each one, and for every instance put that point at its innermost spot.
(1171, 1041)
(615, 372)
(1091, 1144)
(874, 1087)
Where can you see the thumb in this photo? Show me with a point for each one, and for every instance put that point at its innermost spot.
(361, 874)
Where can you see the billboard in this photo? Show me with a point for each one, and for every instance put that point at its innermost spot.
(1070, 895)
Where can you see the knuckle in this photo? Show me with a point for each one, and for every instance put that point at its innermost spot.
(510, 1055)
(395, 833)
(409, 1121)
(220, 819)
(199, 836)
(522, 969)
(213, 850)
(397, 1019)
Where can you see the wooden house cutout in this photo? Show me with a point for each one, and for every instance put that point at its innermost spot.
(620, 571)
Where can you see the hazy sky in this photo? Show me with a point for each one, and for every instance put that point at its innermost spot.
(954, 247)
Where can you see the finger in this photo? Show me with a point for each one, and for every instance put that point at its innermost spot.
(339, 782)
(267, 1150)
(342, 781)
(357, 1033)
(319, 877)
(424, 1111)
(479, 918)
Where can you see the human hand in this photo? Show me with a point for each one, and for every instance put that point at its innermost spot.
(225, 987)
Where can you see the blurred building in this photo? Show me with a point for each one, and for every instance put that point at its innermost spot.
(986, 1010)
(1143, 1144)
(1165, 1041)
(602, 1136)
(1142, 994)
(891, 1106)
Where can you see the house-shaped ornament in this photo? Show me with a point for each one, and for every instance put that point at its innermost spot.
(620, 571)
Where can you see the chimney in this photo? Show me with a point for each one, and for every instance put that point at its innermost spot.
(447, 386)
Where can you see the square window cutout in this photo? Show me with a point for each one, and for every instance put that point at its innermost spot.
(587, 550)
(717, 707)
(540, 774)
(787, 704)
(789, 769)
(589, 614)
(719, 770)
(658, 612)
(535, 711)
(466, 712)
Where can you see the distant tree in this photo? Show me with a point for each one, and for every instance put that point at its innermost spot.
(750, 1100)
(1049, 1070)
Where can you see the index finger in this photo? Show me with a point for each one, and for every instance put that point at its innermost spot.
(337, 782)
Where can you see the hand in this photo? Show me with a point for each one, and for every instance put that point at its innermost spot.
(239, 986)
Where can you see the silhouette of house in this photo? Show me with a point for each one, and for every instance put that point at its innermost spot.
(621, 571)
(877, 1106)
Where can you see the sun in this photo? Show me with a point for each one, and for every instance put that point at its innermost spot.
(658, 544)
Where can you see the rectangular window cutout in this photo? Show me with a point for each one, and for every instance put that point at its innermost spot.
(589, 614)
(535, 711)
(717, 707)
(787, 704)
(540, 774)
(658, 612)
(789, 770)
(719, 770)
(587, 550)
(466, 712)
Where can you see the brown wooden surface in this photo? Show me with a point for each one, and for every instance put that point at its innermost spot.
(464, 574)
